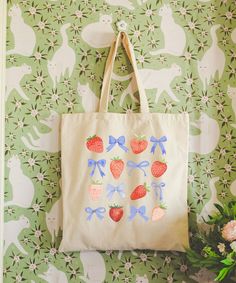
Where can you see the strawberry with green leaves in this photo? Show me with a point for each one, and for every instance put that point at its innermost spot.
(116, 212)
(139, 192)
(158, 168)
(95, 144)
(117, 167)
(158, 212)
(138, 144)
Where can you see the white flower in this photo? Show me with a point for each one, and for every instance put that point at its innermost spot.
(37, 233)
(121, 25)
(233, 246)
(221, 248)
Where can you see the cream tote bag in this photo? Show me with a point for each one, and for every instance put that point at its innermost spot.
(124, 176)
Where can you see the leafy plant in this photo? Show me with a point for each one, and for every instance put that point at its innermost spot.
(214, 250)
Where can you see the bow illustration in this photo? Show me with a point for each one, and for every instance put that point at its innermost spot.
(98, 211)
(120, 141)
(158, 189)
(141, 211)
(112, 189)
(140, 166)
(158, 142)
(98, 164)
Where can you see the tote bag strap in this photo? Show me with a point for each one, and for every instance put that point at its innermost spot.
(122, 37)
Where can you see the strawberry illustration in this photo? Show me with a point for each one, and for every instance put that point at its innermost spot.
(95, 144)
(116, 212)
(139, 192)
(95, 190)
(138, 144)
(117, 167)
(158, 168)
(158, 212)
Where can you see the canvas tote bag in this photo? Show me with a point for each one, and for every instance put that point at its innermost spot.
(124, 176)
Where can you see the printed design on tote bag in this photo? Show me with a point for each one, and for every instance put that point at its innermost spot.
(158, 168)
(95, 144)
(139, 192)
(132, 165)
(138, 144)
(116, 212)
(117, 166)
(158, 212)
(159, 142)
(158, 189)
(120, 142)
(95, 190)
(141, 211)
(115, 189)
(97, 211)
(97, 164)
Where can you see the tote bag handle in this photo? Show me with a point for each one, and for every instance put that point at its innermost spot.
(123, 37)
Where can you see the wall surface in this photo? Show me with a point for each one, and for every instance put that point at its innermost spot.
(56, 52)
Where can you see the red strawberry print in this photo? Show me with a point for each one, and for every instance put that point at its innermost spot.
(95, 144)
(117, 167)
(158, 168)
(139, 192)
(138, 144)
(116, 213)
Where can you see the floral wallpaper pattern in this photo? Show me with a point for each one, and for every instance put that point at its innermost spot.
(56, 53)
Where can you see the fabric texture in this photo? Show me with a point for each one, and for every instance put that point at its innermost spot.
(124, 176)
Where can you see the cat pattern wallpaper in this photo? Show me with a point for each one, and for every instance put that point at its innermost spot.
(56, 55)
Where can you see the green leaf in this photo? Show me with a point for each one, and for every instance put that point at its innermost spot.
(219, 207)
(227, 261)
(222, 274)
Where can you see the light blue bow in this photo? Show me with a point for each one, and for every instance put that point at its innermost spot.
(120, 141)
(158, 142)
(112, 189)
(140, 166)
(141, 211)
(98, 211)
(99, 163)
(158, 189)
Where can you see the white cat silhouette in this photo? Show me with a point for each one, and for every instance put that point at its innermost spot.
(131, 88)
(160, 80)
(94, 267)
(24, 35)
(99, 34)
(151, 79)
(53, 275)
(63, 59)
(122, 3)
(209, 208)
(14, 75)
(50, 141)
(88, 98)
(12, 230)
(233, 188)
(231, 91)
(213, 61)
(141, 279)
(22, 186)
(233, 35)
(174, 35)
(54, 219)
(207, 140)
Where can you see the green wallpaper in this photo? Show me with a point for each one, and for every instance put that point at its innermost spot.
(56, 53)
